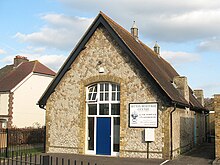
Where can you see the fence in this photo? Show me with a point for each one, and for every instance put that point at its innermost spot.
(29, 159)
(22, 159)
(21, 140)
(17, 146)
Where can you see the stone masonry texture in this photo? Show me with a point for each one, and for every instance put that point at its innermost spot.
(217, 125)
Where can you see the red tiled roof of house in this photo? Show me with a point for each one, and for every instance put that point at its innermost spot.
(15, 76)
(5, 70)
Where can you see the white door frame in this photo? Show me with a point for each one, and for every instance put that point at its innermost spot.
(98, 102)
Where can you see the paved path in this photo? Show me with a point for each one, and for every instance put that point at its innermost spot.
(202, 155)
(104, 160)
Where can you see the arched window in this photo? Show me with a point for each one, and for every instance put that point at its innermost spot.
(103, 118)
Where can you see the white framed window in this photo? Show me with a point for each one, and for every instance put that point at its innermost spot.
(102, 100)
(92, 93)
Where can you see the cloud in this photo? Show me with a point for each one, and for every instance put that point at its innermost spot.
(7, 60)
(51, 60)
(2, 51)
(59, 32)
(176, 21)
(184, 27)
(173, 21)
(177, 58)
(144, 5)
(211, 88)
(211, 44)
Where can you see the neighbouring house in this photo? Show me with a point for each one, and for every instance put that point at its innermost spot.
(21, 85)
(116, 96)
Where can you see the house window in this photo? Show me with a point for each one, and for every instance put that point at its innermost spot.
(103, 106)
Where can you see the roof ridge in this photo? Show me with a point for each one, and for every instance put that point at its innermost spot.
(35, 63)
(109, 19)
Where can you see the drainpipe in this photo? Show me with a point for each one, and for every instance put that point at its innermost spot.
(171, 131)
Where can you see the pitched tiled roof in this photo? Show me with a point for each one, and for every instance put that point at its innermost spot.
(159, 69)
(5, 70)
(16, 75)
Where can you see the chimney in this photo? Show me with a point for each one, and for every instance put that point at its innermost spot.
(157, 48)
(134, 31)
(199, 95)
(182, 86)
(19, 59)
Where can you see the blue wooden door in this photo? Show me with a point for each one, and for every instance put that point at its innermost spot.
(103, 136)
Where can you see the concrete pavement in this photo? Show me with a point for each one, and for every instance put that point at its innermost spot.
(201, 155)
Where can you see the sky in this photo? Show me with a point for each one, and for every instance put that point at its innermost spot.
(48, 30)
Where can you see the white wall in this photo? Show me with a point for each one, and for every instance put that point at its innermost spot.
(4, 98)
(26, 96)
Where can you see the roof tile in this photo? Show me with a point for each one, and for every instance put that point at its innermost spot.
(15, 76)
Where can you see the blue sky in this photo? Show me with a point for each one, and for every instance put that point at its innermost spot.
(187, 32)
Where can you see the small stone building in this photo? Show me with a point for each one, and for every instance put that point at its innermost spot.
(116, 96)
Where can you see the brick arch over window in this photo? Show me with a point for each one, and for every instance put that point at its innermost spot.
(96, 79)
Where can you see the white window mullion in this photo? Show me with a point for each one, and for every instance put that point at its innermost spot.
(95, 122)
(112, 134)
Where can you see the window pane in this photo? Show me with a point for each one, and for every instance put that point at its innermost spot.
(92, 109)
(118, 87)
(101, 87)
(95, 88)
(115, 109)
(90, 133)
(101, 96)
(90, 89)
(116, 131)
(94, 96)
(113, 96)
(106, 87)
(90, 96)
(118, 96)
(104, 109)
(113, 87)
(106, 97)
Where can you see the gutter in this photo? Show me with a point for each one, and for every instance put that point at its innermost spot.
(41, 106)
(171, 131)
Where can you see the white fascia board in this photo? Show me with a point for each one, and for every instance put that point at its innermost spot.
(45, 75)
